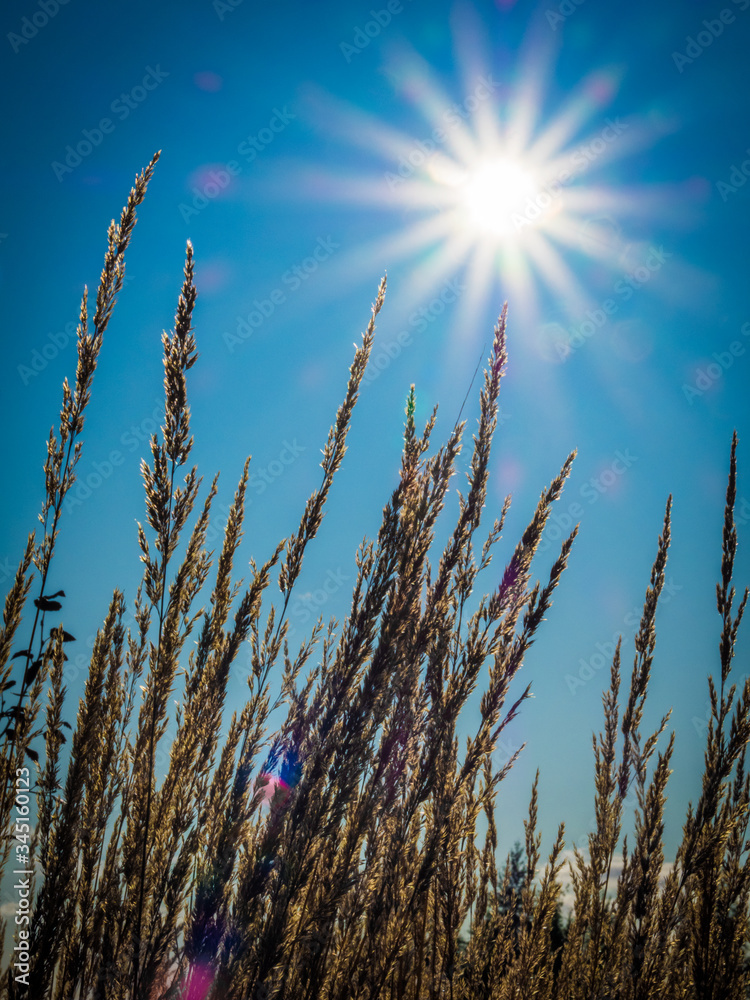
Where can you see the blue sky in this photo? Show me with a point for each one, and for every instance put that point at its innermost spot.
(307, 149)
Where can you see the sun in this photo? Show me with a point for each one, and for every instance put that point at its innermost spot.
(495, 195)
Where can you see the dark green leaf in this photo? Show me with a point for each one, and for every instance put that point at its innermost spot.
(45, 604)
(33, 670)
(66, 636)
(22, 652)
(33, 754)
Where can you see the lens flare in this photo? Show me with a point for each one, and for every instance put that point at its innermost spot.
(487, 184)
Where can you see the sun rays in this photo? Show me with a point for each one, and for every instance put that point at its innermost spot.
(489, 184)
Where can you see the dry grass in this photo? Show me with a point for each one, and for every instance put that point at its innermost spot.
(367, 876)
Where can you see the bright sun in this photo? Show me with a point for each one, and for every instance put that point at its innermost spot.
(495, 192)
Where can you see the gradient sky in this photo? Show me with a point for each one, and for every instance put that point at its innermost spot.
(307, 149)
